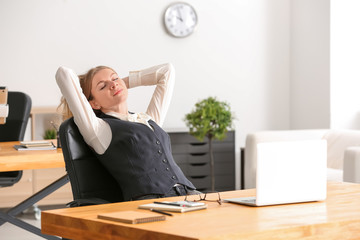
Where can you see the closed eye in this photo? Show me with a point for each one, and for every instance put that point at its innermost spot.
(103, 86)
(104, 83)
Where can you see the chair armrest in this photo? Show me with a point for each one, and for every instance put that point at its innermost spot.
(352, 165)
(86, 202)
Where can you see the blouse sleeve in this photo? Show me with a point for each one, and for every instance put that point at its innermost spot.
(163, 76)
(96, 132)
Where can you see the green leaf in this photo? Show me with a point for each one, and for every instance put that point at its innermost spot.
(210, 118)
(50, 134)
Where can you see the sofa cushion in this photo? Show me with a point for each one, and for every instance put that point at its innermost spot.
(338, 141)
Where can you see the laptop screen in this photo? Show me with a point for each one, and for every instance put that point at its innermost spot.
(291, 171)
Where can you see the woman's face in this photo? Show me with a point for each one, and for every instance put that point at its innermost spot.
(108, 91)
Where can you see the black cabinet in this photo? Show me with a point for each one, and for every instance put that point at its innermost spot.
(193, 158)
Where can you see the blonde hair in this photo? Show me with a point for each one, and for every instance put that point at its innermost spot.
(86, 85)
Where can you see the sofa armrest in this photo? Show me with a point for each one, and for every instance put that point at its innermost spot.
(352, 165)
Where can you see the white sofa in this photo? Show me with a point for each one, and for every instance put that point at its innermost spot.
(339, 143)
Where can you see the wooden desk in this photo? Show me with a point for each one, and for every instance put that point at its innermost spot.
(13, 160)
(336, 218)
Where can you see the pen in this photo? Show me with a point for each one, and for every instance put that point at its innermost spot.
(171, 204)
(158, 211)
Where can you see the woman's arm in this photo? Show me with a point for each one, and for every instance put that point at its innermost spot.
(163, 76)
(96, 132)
(126, 80)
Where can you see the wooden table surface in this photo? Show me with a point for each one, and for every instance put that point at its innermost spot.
(336, 218)
(14, 160)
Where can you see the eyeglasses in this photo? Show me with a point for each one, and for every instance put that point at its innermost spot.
(208, 196)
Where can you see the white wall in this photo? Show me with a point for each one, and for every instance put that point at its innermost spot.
(345, 59)
(325, 50)
(310, 64)
(239, 53)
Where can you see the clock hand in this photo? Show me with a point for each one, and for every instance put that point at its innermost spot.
(179, 17)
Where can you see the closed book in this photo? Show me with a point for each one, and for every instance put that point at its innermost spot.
(171, 208)
(49, 144)
(132, 217)
(36, 143)
(24, 148)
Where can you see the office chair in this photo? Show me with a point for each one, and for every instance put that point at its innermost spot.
(14, 129)
(91, 183)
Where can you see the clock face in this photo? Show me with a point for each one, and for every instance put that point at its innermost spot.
(180, 19)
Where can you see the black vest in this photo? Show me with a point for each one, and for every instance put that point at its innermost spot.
(140, 159)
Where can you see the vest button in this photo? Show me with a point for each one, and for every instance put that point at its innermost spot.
(164, 161)
(167, 169)
(157, 142)
(159, 151)
(173, 177)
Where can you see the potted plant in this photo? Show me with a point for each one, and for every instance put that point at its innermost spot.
(50, 134)
(53, 133)
(210, 118)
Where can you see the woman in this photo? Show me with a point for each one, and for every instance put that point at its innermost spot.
(132, 146)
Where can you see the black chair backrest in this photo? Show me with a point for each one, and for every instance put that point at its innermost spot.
(14, 129)
(88, 178)
(19, 113)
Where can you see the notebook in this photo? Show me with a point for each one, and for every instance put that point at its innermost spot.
(132, 217)
(170, 208)
(289, 172)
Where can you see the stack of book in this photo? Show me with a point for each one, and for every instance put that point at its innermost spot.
(35, 145)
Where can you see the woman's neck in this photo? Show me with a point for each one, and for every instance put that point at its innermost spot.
(121, 109)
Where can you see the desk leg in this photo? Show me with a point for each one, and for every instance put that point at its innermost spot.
(9, 216)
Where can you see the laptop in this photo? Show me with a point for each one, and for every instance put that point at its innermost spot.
(289, 172)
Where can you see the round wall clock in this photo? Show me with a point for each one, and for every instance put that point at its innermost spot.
(180, 19)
